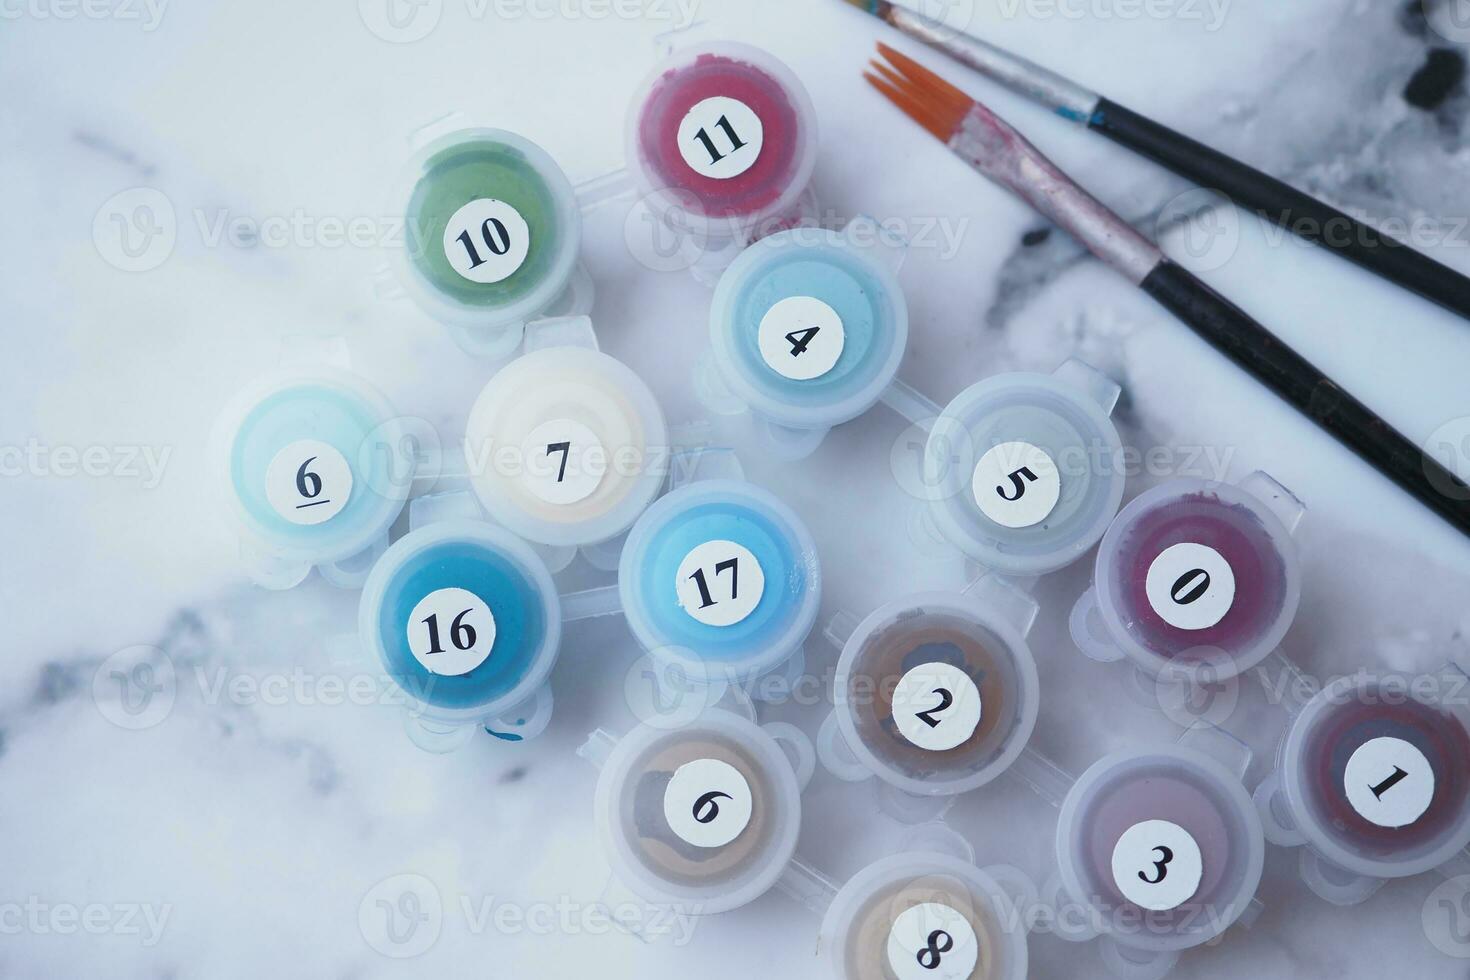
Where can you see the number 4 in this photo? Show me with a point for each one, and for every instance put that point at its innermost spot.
(800, 340)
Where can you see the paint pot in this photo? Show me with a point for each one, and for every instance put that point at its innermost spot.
(807, 328)
(491, 237)
(1026, 468)
(1371, 778)
(565, 445)
(464, 618)
(722, 140)
(1196, 577)
(310, 465)
(936, 694)
(720, 583)
(723, 578)
(1163, 849)
(705, 816)
(922, 915)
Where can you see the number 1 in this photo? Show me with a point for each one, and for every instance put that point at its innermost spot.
(1389, 783)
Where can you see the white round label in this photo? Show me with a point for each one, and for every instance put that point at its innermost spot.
(721, 137)
(801, 338)
(932, 941)
(486, 240)
(707, 803)
(1389, 782)
(720, 583)
(936, 706)
(1191, 586)
(1016, 484)
(451, 632)
(1157, 865)
(564, 461)
(308, 482)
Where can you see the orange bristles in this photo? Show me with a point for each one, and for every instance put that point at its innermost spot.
(922, 95)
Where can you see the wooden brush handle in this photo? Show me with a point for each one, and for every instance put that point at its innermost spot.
(1284, 205)
(1230, 330)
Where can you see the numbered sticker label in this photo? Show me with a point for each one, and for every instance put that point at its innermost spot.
(451, 632)
(932, 941)
(1191, 586)
(486, 240)
(721, 137)
(1389, 782)
(936, 706)
(1157, 865)
(720, 583)
(1016, 484)
(801, 338)
(707, 803)
(308, 482)
(564, 461)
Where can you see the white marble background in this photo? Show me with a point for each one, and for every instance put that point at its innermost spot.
(254, 814)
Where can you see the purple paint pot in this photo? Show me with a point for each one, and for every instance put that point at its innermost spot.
(1372, 779)
(1162, 848)
(1197, 576)
(722, 140)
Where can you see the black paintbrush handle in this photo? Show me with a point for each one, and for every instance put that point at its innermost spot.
(1232, 331)
(1284, 205)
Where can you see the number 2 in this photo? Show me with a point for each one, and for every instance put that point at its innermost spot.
(945, 700)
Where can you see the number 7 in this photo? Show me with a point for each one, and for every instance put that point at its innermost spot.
(565, 448)
(733, 564)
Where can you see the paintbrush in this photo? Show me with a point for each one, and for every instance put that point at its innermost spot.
(988, 144)
(1273, 200)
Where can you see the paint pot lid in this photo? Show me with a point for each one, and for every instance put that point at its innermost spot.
(729, 178)
(696, 546)
(1111, 830)
(400, 641)
(566, 446)
(808, 327)
(897, 660)
(1373, 772)
(889, 912)
(479, 288)
(1027, 470)
(1198, 576)
(706, 814)
(307, 462)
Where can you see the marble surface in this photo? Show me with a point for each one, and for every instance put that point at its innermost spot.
(240, 812)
